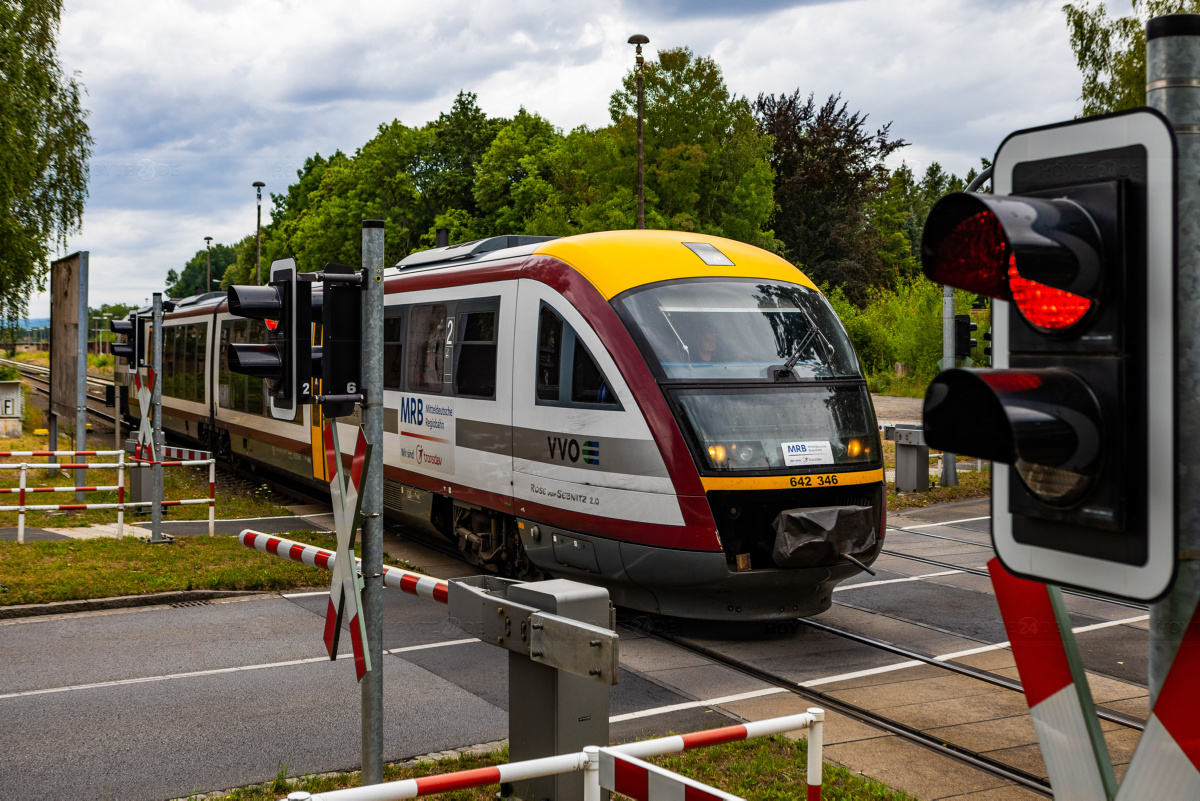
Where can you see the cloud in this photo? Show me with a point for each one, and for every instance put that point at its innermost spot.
(193, 101)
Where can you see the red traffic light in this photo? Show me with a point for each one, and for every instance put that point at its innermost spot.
(1045, 422)
(1044, 254)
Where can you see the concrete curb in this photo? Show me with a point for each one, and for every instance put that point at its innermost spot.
(119, 602)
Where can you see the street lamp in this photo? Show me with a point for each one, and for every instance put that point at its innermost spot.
(207, 263)
(258, 185)
(639, 40)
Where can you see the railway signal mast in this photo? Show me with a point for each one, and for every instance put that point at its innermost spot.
(349, 309)
(1076, 248)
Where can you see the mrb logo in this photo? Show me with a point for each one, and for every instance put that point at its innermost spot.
(564, 448)
(412, 411)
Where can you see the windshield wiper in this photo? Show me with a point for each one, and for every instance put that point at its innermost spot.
(813, 333)
(686, 351)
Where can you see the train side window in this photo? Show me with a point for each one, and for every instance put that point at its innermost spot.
(256, 388)
(567, 375)
(201, 353)
(426, 348)
(168, 361)
(475, 353)
(549, 354)
(237, 400)
(587, 382)
(224, 376)
(393, 350)
(189, 372)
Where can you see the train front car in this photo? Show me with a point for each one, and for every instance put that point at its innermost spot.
(754, 396)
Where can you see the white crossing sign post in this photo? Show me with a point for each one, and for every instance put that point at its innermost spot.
(345, 589)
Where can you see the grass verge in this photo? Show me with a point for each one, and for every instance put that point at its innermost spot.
(764, 768)
(71, 570)
(975, 484)
(178, 483)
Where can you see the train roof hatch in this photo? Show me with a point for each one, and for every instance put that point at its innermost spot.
(467, 251)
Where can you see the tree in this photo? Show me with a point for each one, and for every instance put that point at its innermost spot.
(828, 170)
(190, 281)
(706, 159)
(44, 150)
(1111, 51)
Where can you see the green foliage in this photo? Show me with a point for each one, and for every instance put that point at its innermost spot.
(44, 149)
(903, 325)
(1111, 51)
(191, 280)
(707, 162)
(9, 373)
(828, 171)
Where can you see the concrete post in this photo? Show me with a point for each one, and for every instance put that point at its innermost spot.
(1173, 87)
(372, 500)
(156, 471)
(949, 460)
(81, 377)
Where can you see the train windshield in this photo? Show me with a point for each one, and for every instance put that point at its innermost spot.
(772, 428)
(730, 330)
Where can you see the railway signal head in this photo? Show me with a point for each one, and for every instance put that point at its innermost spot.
(341, 347)
(963, 342)
(275, 359)
(129, 349)
(1076, 248)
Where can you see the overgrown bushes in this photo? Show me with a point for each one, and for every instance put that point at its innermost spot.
(904, 327)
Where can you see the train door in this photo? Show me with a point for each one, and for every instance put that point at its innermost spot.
(584, 458)
(449, 393)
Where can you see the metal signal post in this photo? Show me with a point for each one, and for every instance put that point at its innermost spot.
(372, 498)
(1172, 56)
(349, 364)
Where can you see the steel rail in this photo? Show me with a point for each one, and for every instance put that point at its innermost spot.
(831, 704)
(960, 668)
(977, 572)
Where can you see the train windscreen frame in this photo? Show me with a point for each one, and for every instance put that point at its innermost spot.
(728, 329)
(781, 427)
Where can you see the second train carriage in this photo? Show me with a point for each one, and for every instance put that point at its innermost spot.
(678, 417)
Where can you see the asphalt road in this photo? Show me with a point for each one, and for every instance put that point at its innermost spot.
(160, 702)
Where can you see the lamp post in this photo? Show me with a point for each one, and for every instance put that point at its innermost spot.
(258, 185)
(639, 40)
(208, 262)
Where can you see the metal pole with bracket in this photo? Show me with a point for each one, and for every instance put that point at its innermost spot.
(156, 471)
(372, 499)
(1173, 87)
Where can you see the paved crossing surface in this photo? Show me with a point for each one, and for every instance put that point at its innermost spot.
(160, 702)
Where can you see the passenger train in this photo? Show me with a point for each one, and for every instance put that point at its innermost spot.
(661, 413)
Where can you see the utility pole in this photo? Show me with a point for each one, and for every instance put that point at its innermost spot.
(1172, 56)
(208, 260)
(372, 500)
(156, 471)
(639, 40)
(258, 185)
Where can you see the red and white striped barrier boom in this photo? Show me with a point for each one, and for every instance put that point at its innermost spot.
(590, 761)
(1056, 687)
(1166, 763)
(396, 578)
(642, 781)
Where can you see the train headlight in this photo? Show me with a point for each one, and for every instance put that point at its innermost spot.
(854, 448)
(716, 453)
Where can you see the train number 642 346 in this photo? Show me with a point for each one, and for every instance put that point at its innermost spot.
(814, 481)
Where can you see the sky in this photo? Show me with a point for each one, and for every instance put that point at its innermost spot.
(192, 101)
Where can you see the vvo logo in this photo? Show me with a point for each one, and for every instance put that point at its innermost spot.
(412, 411)
(564, 448)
